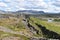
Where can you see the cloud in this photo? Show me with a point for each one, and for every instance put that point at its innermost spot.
(43, 5)
(2, 4)
(57, 3)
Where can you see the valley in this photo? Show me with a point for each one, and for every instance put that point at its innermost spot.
(28, 27)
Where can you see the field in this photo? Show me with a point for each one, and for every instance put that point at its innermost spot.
(9, 36)
(25, 27)
(48, 26)
(15, 26)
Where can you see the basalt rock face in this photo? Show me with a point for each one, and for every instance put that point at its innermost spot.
(48, 33)
(32, 28)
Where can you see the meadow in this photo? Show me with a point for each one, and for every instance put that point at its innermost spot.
(49, 27)
(9, 36)
(12, 27)
(30, 27)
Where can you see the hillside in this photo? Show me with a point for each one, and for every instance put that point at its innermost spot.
(29, 26)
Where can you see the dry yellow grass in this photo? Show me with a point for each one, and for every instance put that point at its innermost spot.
(13, 23)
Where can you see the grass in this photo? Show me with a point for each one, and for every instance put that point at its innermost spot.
(57, 20)
(16, 25)
(36, 27)
(12, 23)
(5, 34)
(52, 26)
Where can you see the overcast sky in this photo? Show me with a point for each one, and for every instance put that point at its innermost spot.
(39, 5)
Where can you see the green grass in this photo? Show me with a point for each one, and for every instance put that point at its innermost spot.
(57, 20)
(36, 27)
(50, 26)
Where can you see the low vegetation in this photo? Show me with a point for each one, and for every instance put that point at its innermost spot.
(57, 20)
(29, 27)
(5, 35)
(51, 27)
(12, 23)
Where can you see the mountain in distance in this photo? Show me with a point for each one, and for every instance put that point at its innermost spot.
(5, 12)
(25, 12)
(30, 12)
(22, 11)
(35, 11)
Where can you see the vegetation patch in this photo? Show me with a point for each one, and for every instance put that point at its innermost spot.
(12, 23)
(5, 34)
(50, 27)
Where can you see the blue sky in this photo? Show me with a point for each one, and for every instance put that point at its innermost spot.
(39, 5)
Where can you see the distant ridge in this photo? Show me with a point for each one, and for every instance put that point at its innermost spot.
(30, 11)
(26, 11)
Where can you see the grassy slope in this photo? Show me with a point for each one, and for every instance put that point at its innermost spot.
(14, 24)
(50, 26)
(36, 27)
(4, 34)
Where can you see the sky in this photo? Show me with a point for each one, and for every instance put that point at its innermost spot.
(38, 5)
